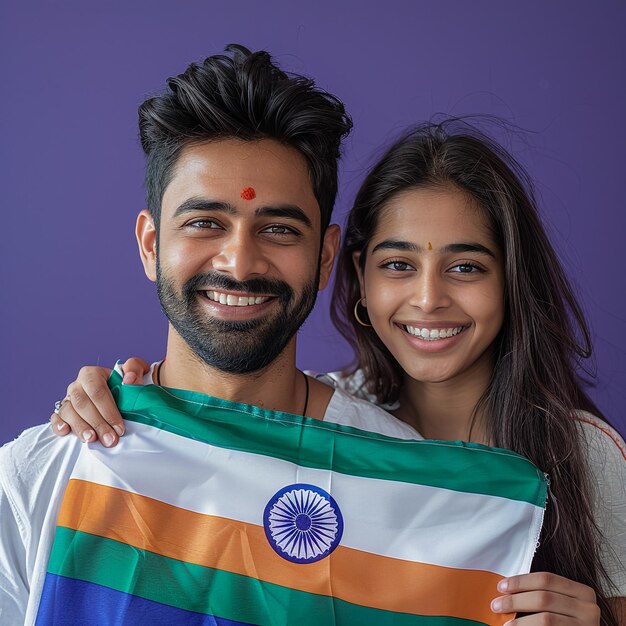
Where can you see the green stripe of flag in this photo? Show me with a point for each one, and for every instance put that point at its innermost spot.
(466, 467)
(206, 590)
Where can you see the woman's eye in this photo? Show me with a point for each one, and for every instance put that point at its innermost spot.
(397, 266)
(466, 268)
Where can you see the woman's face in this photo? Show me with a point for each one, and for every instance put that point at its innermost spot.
(434, 284)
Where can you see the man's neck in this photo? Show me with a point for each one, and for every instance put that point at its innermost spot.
(278, 387)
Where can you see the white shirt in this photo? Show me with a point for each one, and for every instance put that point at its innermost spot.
(34, 471)
(35, 468)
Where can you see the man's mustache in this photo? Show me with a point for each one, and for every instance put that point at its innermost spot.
(220, 282)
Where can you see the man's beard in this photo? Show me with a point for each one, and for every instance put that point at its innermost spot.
(235, 346)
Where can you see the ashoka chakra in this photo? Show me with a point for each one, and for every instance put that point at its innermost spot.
(303, 523)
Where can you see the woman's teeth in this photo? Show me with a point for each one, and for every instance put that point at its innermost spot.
(433, 334)
(231, 300)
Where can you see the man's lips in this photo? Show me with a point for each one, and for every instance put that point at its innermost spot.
(234, 299)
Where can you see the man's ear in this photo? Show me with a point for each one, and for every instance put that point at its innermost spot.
(330, 245)
(145, 231)
(356, 257)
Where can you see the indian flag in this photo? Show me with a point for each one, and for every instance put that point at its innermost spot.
(212, 512)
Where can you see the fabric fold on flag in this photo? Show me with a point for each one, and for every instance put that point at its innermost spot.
(214, 512)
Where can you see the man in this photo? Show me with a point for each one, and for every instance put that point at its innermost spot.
(241, 178)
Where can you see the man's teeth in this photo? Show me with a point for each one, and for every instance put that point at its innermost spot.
(230, 300)
(433, 334)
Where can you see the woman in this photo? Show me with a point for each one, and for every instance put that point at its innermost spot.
(465, 327)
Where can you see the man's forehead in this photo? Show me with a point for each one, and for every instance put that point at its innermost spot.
(227, 170)
(265, 166)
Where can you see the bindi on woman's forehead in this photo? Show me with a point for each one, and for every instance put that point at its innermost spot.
(430, 246)
(248, 193)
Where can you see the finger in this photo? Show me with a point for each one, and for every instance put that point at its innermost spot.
(548, 582)
(82, 416)
(59, 427)
(540, 619)
(134, 370)
(93, 381)
(76, 424)
(538, 601)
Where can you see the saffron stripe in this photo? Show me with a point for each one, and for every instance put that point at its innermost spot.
(204, 590)
(68, 601)
(480, 532)
(313, 443)
(351, 575)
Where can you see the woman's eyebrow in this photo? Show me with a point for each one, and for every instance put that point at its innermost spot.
(451, 248)
(397, 244)
(455, 248)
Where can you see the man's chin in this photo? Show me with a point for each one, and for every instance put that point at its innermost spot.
(240, 364)
(237, 347)
(236, 326)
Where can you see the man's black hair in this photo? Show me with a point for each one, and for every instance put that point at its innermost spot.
(243, 95)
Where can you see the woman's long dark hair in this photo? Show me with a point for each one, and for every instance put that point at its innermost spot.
(535, 390)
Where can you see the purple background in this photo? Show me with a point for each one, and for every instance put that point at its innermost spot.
(73, 74)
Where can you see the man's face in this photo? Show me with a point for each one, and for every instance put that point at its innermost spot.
(238, 260)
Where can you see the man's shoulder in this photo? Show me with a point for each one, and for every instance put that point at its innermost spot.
(34, 470)
(35, 447)
(34, 462)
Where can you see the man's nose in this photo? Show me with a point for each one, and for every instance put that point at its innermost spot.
(241, 256)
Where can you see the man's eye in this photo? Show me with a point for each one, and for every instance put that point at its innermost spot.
(203, 224)
(279, 229)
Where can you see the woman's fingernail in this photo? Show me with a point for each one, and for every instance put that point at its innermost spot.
(118, 429)
(129, 378)
(88, 435)
(61, 426)
(496, 605)
(108, 439)
(503, 585)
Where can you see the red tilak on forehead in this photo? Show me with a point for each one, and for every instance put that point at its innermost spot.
(248, 193)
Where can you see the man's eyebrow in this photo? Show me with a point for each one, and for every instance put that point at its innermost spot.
(451, 248)
(202, 204)
(290, 211)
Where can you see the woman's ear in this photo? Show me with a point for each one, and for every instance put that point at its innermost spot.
(145, 231)
(356, 258)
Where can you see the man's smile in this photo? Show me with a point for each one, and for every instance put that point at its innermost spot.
(234, 299)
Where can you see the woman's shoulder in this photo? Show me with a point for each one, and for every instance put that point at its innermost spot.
(601, 439)
(605, 451)
(353, 383)
(351, 405)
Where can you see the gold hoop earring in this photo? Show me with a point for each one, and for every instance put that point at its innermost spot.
(356, 313)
